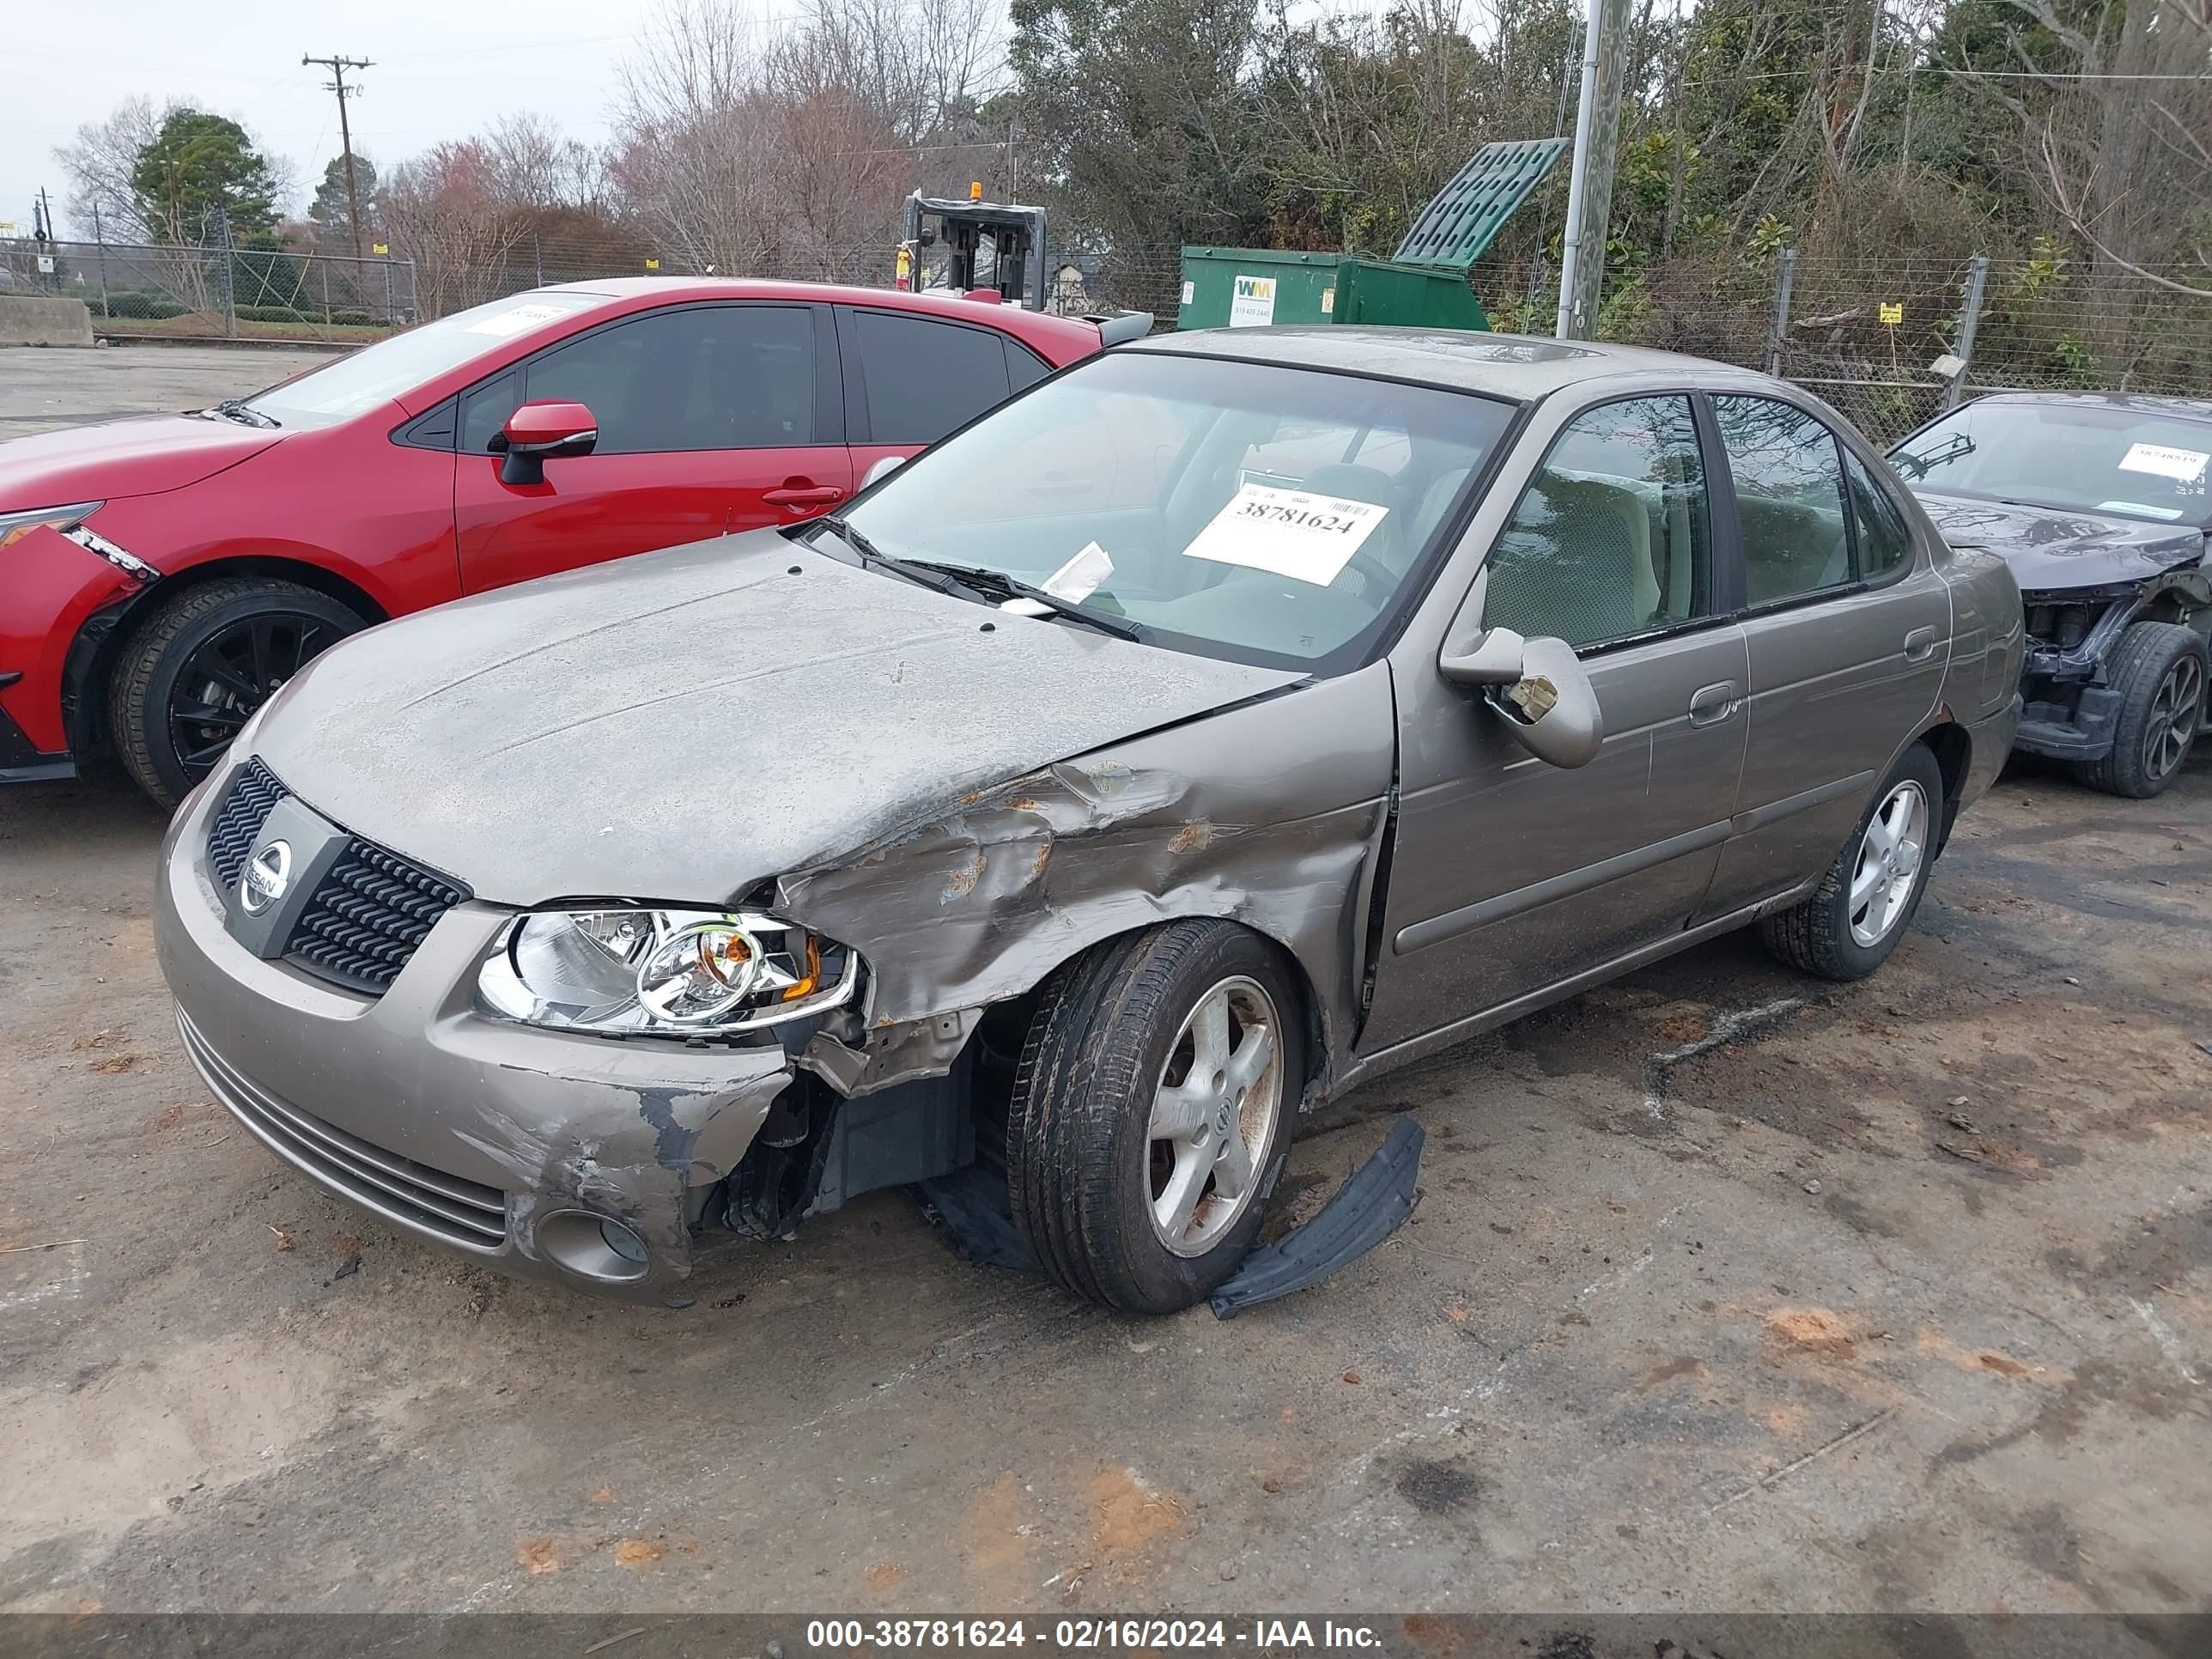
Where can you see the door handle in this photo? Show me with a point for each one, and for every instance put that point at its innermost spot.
(1711, 704)
(1920, 644)
(808, 495)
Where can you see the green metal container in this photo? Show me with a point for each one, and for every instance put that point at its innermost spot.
(1253, 287)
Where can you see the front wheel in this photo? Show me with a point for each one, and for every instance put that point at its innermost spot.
(1853, 920)
(1155, 1098)
(2159, 669)
(193, 674)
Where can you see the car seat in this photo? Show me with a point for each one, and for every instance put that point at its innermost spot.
(1577, 566)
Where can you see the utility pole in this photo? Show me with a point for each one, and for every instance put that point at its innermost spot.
(1590, 191)
(337, 67)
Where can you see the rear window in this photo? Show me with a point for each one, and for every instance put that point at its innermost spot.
(924, 378)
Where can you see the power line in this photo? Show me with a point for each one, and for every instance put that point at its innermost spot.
(337, 67)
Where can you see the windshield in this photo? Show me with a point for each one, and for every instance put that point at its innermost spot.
(1263, 513)
(2133, 462)
(378, 374)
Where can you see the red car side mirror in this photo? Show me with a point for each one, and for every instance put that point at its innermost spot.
(538, 433)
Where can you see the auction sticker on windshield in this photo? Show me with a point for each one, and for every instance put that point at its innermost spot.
(1288, 532)
(2183, 465)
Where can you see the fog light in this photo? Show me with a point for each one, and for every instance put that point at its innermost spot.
(623, 1242)
(594, 1246)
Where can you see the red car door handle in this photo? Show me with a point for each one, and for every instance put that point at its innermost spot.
(811, 495)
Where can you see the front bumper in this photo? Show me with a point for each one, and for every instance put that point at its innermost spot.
(506, 1144)
(19, 763)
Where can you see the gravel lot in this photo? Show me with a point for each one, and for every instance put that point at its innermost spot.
(1727, 1290)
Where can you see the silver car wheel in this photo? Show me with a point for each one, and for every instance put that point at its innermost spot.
(1213, 1118)
(2175, 712)
(1888, 864)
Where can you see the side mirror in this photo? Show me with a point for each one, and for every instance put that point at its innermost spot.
(883, 469)
(1495, 660)
(1539, 689)
(538, 433)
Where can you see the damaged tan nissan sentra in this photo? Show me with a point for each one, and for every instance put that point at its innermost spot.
(1229, 718)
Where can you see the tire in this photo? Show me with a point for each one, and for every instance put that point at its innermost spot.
(1829, 935)
(218, 650)
(1091, 1179)
(2159, 669)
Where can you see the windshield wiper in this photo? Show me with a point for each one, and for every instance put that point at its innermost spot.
(235, 409)
(872, 555)
(989, 581)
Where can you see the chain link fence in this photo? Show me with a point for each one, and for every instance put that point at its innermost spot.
(214, 292)
(1888, 339)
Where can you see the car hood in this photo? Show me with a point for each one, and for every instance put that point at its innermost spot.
(143, 455)
(680, 724)
(2056, 548)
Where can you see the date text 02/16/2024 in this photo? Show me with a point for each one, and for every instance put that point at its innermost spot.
(1088, 1634)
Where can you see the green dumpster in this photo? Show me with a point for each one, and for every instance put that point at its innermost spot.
(1253, 287)
(1423, 284)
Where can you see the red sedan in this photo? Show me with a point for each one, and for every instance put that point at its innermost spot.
(159, 577)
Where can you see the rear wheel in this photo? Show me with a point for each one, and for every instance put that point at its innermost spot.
(2159, 669)
(1853, 920)
(1155, 1100)
(194, 673)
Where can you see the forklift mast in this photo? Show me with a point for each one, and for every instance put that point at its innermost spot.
(1014, 234)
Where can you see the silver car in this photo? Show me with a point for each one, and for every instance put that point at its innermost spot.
(1225, 721)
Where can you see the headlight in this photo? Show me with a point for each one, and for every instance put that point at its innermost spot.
(14, 527)
(676, 973)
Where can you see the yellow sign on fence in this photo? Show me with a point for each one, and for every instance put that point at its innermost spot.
(1893, 314)
(652, 265)
(380, 247)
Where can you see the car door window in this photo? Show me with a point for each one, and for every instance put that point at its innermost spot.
(925, 377)
(1789, 474)
(705, 377)
(1613, 536)
(1883, 541)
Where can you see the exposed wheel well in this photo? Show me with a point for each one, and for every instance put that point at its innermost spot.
(1953, 751)
(999, 1034)
(92, 655)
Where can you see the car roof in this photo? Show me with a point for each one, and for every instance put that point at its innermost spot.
(2188, 409)
(1520, 366)
(674, 290)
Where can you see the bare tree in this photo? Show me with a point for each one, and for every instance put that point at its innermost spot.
(99, 161)
(2120, 139)
(446, 211)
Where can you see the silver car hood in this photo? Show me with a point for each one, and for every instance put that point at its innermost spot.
(679, 725)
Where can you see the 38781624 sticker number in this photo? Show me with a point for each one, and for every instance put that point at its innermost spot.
(1307, 537)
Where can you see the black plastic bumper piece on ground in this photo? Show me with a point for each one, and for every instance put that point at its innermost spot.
(1367, 1209)
(969, 1206)
(2082, 733)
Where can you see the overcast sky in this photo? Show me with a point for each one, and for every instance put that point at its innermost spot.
(442, 70)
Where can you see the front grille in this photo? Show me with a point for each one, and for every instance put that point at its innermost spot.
(366, 920)
(448, 1207)
(368, 915)
(253, 793)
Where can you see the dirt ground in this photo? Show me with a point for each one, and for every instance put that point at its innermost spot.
(1728, 1290)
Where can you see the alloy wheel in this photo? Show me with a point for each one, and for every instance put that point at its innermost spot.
(232, 672)
(1888, 863)
(1213, 1117)
(2175, 713)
